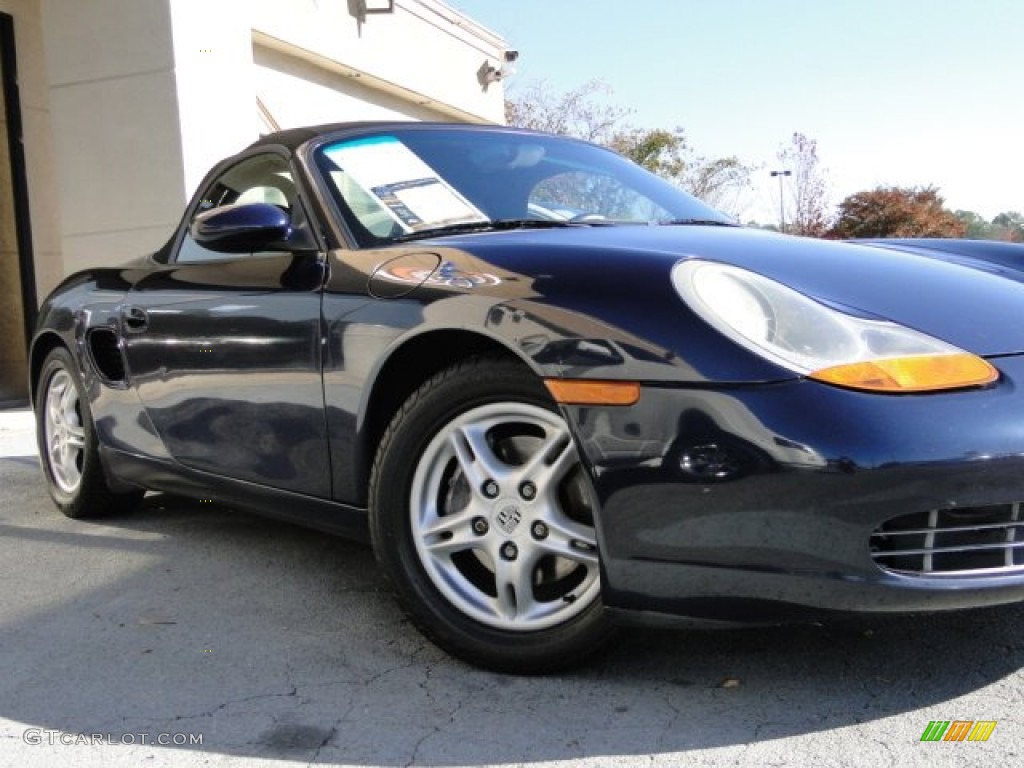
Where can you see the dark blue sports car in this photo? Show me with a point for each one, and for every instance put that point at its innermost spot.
(552, 389)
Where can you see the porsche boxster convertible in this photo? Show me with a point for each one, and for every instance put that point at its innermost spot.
(552, 390)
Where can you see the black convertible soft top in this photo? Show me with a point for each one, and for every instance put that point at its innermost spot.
(292, 138)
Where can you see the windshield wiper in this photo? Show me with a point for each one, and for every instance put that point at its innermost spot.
(698, 222)
(501, 225)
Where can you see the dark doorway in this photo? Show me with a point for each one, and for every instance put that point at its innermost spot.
(17, 275)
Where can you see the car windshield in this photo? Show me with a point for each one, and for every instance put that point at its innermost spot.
(421, 180)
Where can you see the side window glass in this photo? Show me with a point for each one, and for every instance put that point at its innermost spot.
(260, 179)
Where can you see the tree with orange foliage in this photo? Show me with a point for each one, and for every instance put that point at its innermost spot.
(896, 212)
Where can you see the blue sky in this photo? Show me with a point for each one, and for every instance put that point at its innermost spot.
(906, 92)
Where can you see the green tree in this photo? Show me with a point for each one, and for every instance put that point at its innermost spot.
(1009, 226)
(659, 151)
(976, 226)
(669, 155)
(896, 212)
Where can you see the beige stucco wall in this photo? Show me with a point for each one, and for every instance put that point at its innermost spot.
(115, 118)
(297, 92)
(215, 91)
(425, 51)
(104, 145)
(145, 95)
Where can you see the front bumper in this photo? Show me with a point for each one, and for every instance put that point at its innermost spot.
(755, 503)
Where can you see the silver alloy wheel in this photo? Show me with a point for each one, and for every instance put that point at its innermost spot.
(502, 518)
(64, 433)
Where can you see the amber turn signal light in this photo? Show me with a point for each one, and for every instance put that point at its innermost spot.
(589, 392)
(923, 373)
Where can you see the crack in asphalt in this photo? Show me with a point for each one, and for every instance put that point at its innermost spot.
(326, 740)
(124, 720)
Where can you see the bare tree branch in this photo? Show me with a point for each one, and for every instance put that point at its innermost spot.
(807, 210)
(666, 153)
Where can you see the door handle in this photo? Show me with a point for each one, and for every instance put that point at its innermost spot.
(135, 319)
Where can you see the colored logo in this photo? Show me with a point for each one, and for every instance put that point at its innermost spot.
(958, 730)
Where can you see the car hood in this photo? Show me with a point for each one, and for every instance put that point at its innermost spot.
(973, 308)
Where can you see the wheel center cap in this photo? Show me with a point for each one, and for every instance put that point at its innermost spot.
(508, 518)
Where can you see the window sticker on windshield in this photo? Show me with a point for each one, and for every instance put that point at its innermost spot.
(409, 189)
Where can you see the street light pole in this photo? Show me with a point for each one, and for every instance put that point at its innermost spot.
(782, 206)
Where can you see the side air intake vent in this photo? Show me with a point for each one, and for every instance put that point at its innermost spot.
(106, 355)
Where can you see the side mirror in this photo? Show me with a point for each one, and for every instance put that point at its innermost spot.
(247, 228)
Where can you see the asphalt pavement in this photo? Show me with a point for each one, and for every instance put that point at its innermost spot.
(190, 634)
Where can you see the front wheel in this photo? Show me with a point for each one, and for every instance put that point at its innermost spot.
(67, 443)
(483, 519)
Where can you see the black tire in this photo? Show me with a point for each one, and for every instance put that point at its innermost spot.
(529, 608)
(67, 444)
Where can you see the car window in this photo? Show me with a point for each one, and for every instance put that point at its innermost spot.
(421, 179)
(589, 196)
(260, 179)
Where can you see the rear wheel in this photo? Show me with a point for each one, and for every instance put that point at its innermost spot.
(483, 519)
(67, 443)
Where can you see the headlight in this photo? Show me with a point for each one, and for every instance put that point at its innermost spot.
(814, 340)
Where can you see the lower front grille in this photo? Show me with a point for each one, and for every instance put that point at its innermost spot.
(952, 541)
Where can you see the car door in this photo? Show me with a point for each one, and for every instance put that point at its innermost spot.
(224, 350)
